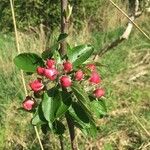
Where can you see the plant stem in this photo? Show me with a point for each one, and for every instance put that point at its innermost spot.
(22, 75)
(71, 132)
(64, 25)
(64, 29)
(61, 142)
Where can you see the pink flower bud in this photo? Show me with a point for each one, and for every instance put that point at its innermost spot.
(40, 70)
(67, 66)
(50, 63)
(65, 81)
(91, 67)
(99, 93)
(37, 85)
(29, 103)
(95, 78)
(51, 73)
(79, 75)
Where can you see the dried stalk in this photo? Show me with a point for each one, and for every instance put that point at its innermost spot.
(131, 19)
(22, 75)
(126, 33)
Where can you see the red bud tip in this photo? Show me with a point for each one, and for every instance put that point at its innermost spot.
(95, 78)
(79, 75)
(67, 66)
(37, 85)
(50, 63)
(65, 81)
(40, 70)
(29, 103)
(99, 93)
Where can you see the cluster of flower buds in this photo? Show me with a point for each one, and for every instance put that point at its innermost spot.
(63, 75)
(95, 79)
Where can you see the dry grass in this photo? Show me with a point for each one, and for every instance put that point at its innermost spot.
(126, 79)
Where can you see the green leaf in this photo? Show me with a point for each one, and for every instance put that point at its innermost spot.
(69, 49)
(79, 54)
(45, 128)
(38, 118)
(98, 108)
(49, 52)
(80, 93)
(65, 101)
(50, 105)
(28, 62)
(54, 104)
(53, 51)
(62, 37)
(57, 57)
(81, 120)
(58, 127)
(82, 97)
(82, 115)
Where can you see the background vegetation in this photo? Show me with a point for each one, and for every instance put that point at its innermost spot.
(125, 71)
(32, 13)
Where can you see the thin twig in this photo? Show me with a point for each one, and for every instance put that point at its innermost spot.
(130, 20)
(71, 131)
(22, 75)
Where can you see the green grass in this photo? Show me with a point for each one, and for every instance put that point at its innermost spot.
(119, 130)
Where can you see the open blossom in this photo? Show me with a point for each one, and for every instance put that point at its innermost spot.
(29, 103)
(99, 93)
(79, 75)
(50, 63)
(37, 85)
(67, 66)
(95, 78)
(51, 73)
(65, 81)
